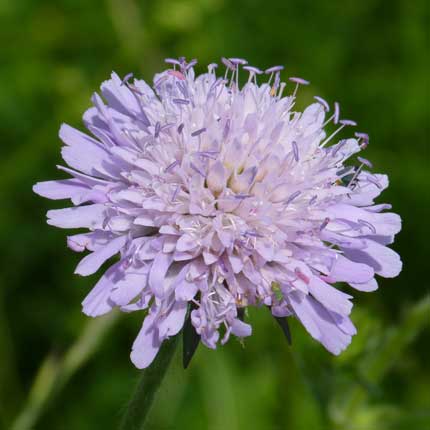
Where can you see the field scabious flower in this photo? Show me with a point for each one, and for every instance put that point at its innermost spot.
(218, 197)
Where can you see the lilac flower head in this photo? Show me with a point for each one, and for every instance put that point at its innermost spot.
(217, 197)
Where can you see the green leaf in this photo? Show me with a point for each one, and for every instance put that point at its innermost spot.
(190, 341)
(283, 323)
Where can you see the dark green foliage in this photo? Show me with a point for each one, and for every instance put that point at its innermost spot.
(190, 341)
(283, 323)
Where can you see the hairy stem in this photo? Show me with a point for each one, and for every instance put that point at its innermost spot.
(148, 385)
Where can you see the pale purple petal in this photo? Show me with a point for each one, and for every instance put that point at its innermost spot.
(174, 320)
(330, 297)
(92, 262)
(346, 270)
(91, 216)
(158, 272)
(241, 329)
(63, 189)
(384, 260)
(147, 343)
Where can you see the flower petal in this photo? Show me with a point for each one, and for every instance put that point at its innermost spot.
(146, 344)
(330, 297)
(92, 262)
(91, 216)
(345, 270)
(158, 272)
(384, 260)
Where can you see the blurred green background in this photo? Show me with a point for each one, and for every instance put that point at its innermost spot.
(371, 56)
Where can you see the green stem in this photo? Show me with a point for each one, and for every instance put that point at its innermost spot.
(150, 381)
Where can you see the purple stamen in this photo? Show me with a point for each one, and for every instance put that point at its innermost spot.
(347, 122)
(237, 61)
(227, 63)
(208, 154)
(199, 131)
(385, 206)
(197, 170)
(192, 63)
(292, 197)
(253, 69)
(336, 112)
(127, 77)
(175, 193)
(295, 151)
(365, 162)
(321, 101)
(324, 224)
(363, 136)
(171, 166)
(252, 233)
(242, 196)
(180, 128)
(157, 129)
(299, 81)
(312, 200)
(181, 101)
(273, 69)
(172, 61)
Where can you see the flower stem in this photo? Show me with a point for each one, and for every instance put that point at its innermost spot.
(148, 385)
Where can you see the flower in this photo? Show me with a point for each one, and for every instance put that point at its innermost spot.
(218, 197)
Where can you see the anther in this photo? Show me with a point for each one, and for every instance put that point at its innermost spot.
(181, 101)
(253, 70)
(336, 113)
(197, 170)
(365, 162)
(171, 166)
(322, 102)
(198, 132)
(238, 61)
(299, 81)
(127, 77)
(324, 224)
(157, 129)
(273, 69)
(172, 61)
(292, 197)
(347, 122)
(295, 151)
(227, 63)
